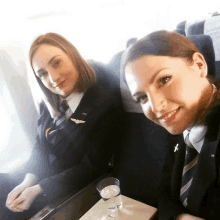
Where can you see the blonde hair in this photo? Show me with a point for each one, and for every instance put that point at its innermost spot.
(86, 78)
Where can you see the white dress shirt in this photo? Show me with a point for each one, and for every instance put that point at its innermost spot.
(198, 131)
(73, 101)
(196, 135)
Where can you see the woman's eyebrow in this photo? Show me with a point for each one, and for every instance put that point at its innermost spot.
(50, 61)
(155, 75)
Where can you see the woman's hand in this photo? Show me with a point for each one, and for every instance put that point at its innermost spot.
(25, 199)
(29, 180)
(15, 194)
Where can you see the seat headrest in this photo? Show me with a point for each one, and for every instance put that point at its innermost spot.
(131, 41)
(205, 46)
(196, 28)
(180, 28)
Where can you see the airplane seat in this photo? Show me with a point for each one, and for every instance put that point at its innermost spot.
(205, 44)
(138, 164)
(115, 62)
(196, 28)
(210, 27)
(180, 28)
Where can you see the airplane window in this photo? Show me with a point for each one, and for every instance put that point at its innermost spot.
(14, 145)
(5, 130)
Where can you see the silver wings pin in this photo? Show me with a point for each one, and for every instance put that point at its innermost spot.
(77, 121)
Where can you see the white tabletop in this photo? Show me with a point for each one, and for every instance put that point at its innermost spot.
(131, 210)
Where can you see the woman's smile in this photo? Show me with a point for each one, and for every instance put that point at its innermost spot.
(61, 84)
(170, 116)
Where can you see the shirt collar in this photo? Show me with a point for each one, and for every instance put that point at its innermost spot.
(196, 135)
(73, 100)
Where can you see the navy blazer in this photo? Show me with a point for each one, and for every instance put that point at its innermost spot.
(82, 151)
(204, 199)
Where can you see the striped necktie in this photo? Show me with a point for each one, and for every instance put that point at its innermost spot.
(60, 121)
(63, 106)
(191, 159)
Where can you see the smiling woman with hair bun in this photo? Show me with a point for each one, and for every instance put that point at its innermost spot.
(168, 76)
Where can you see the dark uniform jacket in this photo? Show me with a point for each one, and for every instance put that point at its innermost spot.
(204, 194)
(82, 151)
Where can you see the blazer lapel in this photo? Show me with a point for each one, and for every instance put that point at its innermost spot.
(85, 108)
(205, 175)
(44, 122)
(178, 165)
(206, 167)
(79, 117)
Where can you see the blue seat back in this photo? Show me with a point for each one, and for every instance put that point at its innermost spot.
(210, 27)
(138, 164)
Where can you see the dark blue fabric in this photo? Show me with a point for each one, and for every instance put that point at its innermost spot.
(191, 154)
(217, 66)
(181, 25)
(180, 28)
(196, 29)
(180, 31)
(115, 62)
(131, 41)
(204, 198)
(205, 46)
(138, 164)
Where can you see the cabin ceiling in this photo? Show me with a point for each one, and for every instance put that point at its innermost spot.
(88, 23)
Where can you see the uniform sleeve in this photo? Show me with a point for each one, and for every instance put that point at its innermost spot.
(38, 163)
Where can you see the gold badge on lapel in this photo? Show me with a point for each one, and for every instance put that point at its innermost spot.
(77, 121)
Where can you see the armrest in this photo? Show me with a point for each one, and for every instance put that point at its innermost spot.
(72, 207)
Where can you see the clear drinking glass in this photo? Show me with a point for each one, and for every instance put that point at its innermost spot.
(109, 190)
